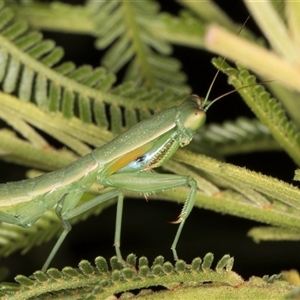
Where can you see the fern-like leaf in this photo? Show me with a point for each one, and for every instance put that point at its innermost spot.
(267, 109)
(103, 280)
(232, 137)
(107, 279)
(30, 69)
(124, 26)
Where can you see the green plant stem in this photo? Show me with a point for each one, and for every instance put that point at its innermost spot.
(269, 233)
(60, 17)
(250, 211)
(274, 29)
(293, 16)
(257, 59)
(57, 16)
(272, 187)
(208, 11)
(24, 153)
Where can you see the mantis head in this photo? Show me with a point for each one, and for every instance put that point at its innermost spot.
(191, 116)
(192, 113)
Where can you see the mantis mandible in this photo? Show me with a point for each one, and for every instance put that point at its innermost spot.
(123, 163)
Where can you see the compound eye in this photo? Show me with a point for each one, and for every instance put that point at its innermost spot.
(195, 119)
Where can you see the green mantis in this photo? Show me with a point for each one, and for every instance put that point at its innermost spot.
(123, 163)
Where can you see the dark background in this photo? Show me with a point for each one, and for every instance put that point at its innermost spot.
(145, 229)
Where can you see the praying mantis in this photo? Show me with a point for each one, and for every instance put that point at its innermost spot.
(124, 163)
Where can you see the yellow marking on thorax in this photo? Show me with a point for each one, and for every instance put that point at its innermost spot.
(130, 156)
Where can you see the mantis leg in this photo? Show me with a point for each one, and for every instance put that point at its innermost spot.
(10, 219)
(149, 183)
(66, 229)
(65, 216)
(139, 182)
(98, 200)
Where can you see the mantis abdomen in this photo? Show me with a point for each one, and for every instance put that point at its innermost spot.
(23, 202)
